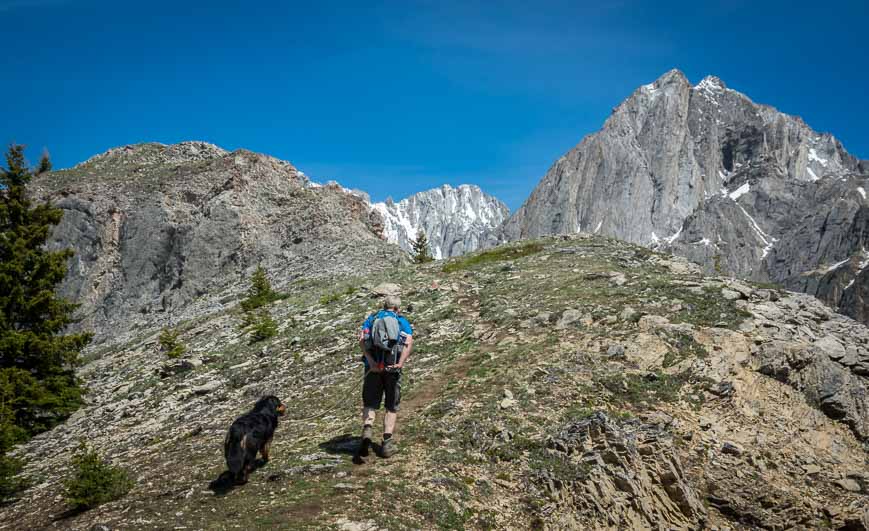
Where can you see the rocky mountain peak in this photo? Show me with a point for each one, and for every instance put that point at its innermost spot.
(711, 83)
(671, 77)
(455, 220)
(162, 233)
(708, 173)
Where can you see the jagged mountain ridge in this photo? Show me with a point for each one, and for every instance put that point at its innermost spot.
(707, 173)
(167, 233)
(455, 220)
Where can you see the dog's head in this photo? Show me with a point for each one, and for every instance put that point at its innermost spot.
(270, 404)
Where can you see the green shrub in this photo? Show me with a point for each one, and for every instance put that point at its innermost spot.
(261, 325)
(557, 466)
(94, 481)
(644, 391)
(9, 484)
(170, 344)
(683, 346)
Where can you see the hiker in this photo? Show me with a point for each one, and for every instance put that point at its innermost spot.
(386, 340)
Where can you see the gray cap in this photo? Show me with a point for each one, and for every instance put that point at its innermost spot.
(391, 301)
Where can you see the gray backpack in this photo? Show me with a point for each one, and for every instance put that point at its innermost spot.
(385, 333)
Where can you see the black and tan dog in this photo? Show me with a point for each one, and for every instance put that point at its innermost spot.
(249, 434)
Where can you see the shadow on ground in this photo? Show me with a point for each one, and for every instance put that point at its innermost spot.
(347, 444)
(224, 482)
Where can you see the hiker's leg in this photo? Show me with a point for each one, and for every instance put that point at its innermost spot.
(372, 391)
(368, 416)
(392, 390)
(389, 422)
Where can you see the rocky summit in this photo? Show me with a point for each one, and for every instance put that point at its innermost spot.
(736, 186)
(573, 382)
(455, 220)
(165, 233)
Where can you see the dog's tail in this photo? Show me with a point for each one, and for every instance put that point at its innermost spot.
(234, 450)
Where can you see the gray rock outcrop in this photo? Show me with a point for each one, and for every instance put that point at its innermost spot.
(167, 233)
(455, 220)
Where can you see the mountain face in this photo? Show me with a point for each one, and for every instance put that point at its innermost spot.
(565, 383)
(455, 220)
(706, 173)
(165, 233)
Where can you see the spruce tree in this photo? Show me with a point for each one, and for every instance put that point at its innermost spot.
(421, 252)
(44, 162)
(38, 386)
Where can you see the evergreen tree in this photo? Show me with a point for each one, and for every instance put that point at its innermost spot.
(44, 162)
(38, 387)
(421, 252)
(94, 480)
(260, 291)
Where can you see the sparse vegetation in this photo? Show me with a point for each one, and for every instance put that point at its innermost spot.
(556, 466)
(334, 296)
(644, 391)
(493, 373)
(440, 513)
(512, 252)
(684, 346)
(706, 308)
(170, 344)
(94, 481)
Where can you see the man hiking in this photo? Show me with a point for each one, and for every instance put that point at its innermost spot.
(386, 340)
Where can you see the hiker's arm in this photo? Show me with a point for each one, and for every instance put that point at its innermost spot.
(406, 352)
(371, 365)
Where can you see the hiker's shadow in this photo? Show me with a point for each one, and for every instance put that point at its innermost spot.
(347, 444)
(224, 482)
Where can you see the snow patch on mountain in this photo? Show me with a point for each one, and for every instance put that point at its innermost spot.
(739, 192)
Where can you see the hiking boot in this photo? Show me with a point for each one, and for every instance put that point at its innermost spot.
(388, 448)
(366, 441)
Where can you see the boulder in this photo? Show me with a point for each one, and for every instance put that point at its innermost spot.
(386, 289)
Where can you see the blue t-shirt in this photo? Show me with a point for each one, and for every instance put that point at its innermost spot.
(403, 326)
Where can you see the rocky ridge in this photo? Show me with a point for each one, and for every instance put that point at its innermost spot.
(708, 174)
(455, 220)
(545, 371)
(163, 234)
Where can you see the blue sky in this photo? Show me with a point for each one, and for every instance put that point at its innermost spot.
(397, 97)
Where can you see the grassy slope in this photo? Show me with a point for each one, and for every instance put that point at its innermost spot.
(468, 456)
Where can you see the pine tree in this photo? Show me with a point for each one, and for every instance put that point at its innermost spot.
(421, 252)
(38, 386)
(44, 162)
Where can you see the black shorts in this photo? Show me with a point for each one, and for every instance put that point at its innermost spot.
(379, 383)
